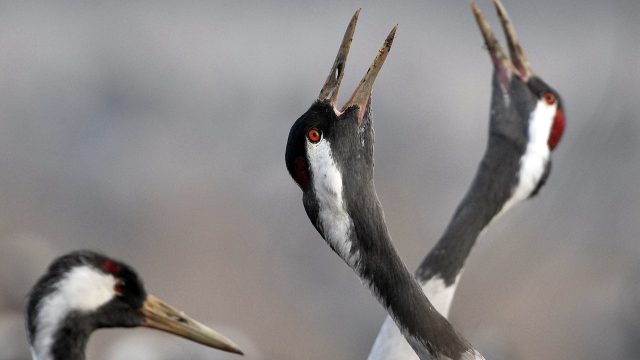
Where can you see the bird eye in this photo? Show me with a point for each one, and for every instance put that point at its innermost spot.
(119, 287)
(549, 98)
(314, 135)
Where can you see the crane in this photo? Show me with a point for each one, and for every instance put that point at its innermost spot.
(526, 123)
(329, 154)
(83, 291)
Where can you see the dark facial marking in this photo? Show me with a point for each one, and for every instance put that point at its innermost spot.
(312, 126)
(301, 172)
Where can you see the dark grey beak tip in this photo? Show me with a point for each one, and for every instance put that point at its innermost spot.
(329, 92)
(517, 64)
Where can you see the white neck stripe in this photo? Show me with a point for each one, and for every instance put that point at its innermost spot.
(534, 161)
(83, 288)
(333, 219)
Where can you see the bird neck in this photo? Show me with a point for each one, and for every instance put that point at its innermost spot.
(490, 190)
(380, 268)
(489, 195)
(68, 342)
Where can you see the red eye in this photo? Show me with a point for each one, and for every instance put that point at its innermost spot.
(119, 287)
(549, 98)
(314, 135)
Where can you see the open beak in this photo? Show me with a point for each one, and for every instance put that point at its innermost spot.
(158, 315)
(505, 66)
(361, 95)
(518, 58)
(331, 87)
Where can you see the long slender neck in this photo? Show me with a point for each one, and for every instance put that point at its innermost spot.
(379, 266)
(440, 269)
(492, 187)
(493, 191)
(68, 343)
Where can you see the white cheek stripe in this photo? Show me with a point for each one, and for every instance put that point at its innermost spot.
(391, 344)
(333, 219)
(536, 156)
(83, 288)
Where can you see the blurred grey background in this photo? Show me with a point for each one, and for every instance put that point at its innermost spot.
(155, 132)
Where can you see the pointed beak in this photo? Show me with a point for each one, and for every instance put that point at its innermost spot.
(518, 58)
(329, 92)
(158, 315)
(505, 66)
(362, 93)
(502, 64)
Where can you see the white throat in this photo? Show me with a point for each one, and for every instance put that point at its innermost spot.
(82, 289)
(333, 219)
(534, 161)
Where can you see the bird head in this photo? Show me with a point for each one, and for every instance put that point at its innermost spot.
(517, 89)
(527, 115)
(329, 151)
(84, 291)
